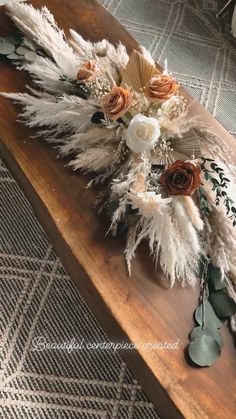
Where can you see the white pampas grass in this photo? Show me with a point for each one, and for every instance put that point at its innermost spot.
(192, 212)
(94, 159)
(117, 56)
(47, 75)
(172, 237)
(178, 259)
(120, 57)
(4, 2)
(84, 47)
(40, 26)
(96, 136)
(151, 229)
(164, 222)
(185, 226)
(138, 164)
(60, 114)
(148, 203)
(220, 237)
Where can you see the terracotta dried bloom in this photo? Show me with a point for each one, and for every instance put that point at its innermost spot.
(160, 88)
(116, 102)
(87, 71)
(181, 178)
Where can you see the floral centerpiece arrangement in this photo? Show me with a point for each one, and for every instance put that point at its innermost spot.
(165, 176)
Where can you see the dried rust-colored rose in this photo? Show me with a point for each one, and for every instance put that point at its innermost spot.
(87, 71)
(181, 178)
(116, 102)
(161, 88)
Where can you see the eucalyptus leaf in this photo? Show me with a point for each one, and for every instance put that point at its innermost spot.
(198, 331)
(215, 280)
(22, 50)
(30, 55)
(204, 351)
(29, 44)
(223, 304)
(14, 56)
(6, 48)
(211, 318)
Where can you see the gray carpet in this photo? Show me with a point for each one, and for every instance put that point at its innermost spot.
(39, 298)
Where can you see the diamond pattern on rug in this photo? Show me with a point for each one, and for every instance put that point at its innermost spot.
(199, 52)
(39, 301)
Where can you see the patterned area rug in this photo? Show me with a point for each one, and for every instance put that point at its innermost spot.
(200, 53)
(38, 297)
(41, 305)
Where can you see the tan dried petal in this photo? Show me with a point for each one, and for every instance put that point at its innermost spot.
(87, 71)
(161, 88)
(116, 102)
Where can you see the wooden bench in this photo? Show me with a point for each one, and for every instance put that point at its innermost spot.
(140, 308)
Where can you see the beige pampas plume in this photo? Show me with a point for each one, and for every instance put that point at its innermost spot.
(93, 159)
(192, 212)
(117, 55)
(173, 241)
(220, 236)
(40, 27)
(47, 75)
(59, 114)
(138, 165)
(85, 48)
(185, 226)
(93, 137)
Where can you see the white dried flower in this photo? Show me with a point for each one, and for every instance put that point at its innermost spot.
(169, 105)
(148, 203)
(142, 133)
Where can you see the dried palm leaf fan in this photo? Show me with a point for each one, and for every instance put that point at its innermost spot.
(138, 71)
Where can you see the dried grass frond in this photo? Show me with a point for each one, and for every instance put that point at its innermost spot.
(47, 75)
(91, 138)
(93, 159)
(220, 237)
(192, 212)
(59, 114)
(40, 27)
(167, 242)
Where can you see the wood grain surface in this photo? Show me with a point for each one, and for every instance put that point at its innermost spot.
(140, 308)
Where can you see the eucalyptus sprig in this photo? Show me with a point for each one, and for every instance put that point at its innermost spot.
(215, 306)
(206, 341)
(203, 202)
(19, 49)
(214, 174)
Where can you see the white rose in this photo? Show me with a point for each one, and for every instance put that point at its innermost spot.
(142, 133)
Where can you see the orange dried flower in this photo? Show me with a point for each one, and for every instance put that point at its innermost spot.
(87, 71)
(161, 88)
(116, 102)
